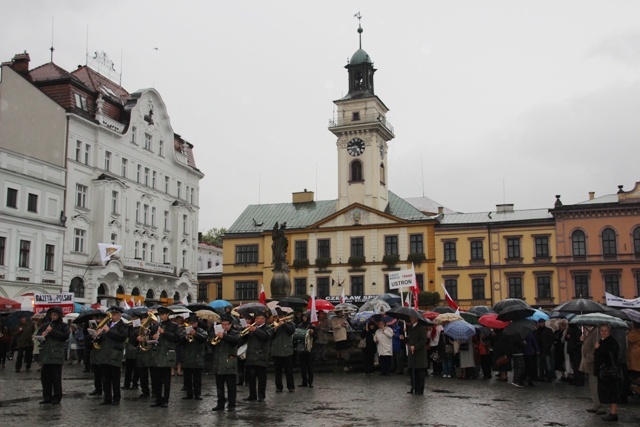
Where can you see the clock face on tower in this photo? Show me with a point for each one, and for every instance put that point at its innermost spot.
(355, 147)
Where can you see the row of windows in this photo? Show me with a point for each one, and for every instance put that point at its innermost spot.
(248, 254)
(541, 246)
(148, 141)
(608, 239)
(24, 257)
(12, 200)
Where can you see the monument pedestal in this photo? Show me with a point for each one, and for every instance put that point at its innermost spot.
(280, 285)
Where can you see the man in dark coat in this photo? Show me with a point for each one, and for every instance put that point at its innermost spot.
(225, 365)
(52, 349)
(23, 335)
(282, 353)
(168, 335)
(112, 338)
(131, 355)
(193, 357)
(258, 339)
(545, 338)
(417, 341)
(144, 355)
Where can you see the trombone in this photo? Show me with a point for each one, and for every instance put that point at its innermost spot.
(279, 322)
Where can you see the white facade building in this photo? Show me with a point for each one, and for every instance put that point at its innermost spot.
(130, 181)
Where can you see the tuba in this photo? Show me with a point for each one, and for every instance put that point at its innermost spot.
(103, 322)
(143, 331)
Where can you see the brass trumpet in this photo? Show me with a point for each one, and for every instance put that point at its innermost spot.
(245, 331)
(279, 322)
(103, 322)
(144, 330)
(215, 340)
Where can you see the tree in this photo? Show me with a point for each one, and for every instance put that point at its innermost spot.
(214, 236)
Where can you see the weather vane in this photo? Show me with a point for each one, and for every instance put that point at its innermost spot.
(359, 16)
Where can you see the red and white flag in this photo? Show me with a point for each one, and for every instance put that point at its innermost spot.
(263, 296)
(407, 301)
(342, 299)
(132, 303)
(314, 312)
(414, 288)
(450, 300)
(125, 306)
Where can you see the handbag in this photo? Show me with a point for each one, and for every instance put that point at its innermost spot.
(502, 360)
(610, 372)
(362, 343)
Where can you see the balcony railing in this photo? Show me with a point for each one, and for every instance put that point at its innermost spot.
(365, 119)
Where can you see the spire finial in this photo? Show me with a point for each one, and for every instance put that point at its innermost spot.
(360, 30)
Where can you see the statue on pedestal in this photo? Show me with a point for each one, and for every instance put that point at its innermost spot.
(280, 283)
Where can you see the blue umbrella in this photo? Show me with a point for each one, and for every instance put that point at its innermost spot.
(459, 330)
(79, 308)
(539, 314)
(361, 319)
(220, 303)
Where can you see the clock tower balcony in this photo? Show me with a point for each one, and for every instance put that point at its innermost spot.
(339, 125)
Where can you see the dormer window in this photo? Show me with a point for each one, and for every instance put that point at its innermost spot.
(81, 102)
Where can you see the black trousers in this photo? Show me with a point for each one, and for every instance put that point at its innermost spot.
(130, 373)
(307, 362)
(417, 380)
(259, 374)
(193, 381)
(26, 354)
(241, 372)
(161, 384)
(51, 379)
(97, 378)
(143, 378)
(286, 364)
(230, 382)
(110, 383)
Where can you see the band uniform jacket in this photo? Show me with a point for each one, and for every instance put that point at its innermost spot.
(193, 352)
(112, 344)
(144, 359)
(132, 343)
(417, 337)
(258, 343)
(225, 361)
(282, 344)
(53, 348)
(164, 353)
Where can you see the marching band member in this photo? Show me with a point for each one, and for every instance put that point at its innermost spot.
(225, 363)
(168, 335)
(282, 352)
(143, 358)
(112, 338)
(131, 354)
(258, 338)
(55, 334)
(193, 357)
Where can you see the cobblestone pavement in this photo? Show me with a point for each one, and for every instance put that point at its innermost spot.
(337, 399)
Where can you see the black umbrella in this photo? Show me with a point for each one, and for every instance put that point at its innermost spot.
(199, 306)
(515, 312)
(88, 315)
(582, 306)
(251, 308)
(480, 310)
(293, 302)
(443, 309)
(12, 320)
(405, 313)
(519, 329)
(501, 305)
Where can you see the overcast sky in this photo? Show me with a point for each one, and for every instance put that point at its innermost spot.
(492, 101)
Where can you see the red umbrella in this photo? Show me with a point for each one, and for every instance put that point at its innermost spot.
(430, 315)
(321, 304)
(491, 321)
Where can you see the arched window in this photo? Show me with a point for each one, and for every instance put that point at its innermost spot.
(356, 170)
(150, 294)
(102, 289)
(163, 294)
(176, 297)
(636, 241)
(579, 244)
(135, 292)
(609, 242)
(121, 290)
(77, 287)
(383, 179)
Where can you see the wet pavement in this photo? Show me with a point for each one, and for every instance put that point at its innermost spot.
(337, 399)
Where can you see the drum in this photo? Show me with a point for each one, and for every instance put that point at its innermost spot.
(242, 352)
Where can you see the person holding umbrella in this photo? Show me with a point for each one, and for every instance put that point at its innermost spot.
(417, 345)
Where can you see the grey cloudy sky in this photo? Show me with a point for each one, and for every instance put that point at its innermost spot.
(492, 102)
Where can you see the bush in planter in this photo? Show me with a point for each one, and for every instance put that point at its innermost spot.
(300, 263)
(391, 260)
(417, 258)
(323, 263)
(428, 299)
(356, 261)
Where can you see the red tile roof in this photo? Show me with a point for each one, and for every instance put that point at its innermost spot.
(96, 81)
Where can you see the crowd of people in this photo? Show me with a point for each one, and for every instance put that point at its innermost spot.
(152, 346)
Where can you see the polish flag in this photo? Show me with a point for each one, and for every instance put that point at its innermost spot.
(132, 303)
(263, 296)
(414, 288)
(407, 301)
(314, 312)
(342, 299)
(125, 306)
(450, 300)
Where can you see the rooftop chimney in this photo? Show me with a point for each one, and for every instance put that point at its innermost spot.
(592, 195)
(303, 196)
(20, 63)
(507, 207)
(440, 210)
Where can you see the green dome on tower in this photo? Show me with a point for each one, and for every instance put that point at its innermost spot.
(360, 57)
